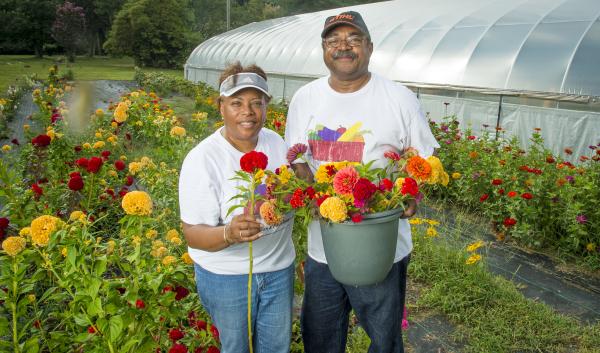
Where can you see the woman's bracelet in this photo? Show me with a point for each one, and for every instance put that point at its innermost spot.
(227, 241)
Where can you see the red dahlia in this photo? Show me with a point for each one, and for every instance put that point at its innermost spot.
(252, 161)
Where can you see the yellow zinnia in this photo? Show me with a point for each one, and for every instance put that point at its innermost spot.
(334, 209)
(42, 227)
(120, 113)
(187, 259)
(473, 259)
(151, 234)
(25, 232)
(14, 245)
(98, 145)
(167, 260)
(474, 246)
(284, 174)
(137, 203)
(456, 175)
(6, 148)
(177, 131)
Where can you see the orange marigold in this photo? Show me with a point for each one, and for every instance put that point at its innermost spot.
(269, 213)
(418, 168)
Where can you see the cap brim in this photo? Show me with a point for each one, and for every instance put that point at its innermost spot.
(235, 89)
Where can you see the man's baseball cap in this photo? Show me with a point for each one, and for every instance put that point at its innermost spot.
(350, 18)
(243, 80)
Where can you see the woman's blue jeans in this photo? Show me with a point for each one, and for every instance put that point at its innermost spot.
(225, 298)
(327, 304)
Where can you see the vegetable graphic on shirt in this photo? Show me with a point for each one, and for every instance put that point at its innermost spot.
(341, 144)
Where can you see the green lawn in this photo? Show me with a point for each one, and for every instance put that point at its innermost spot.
(13, 67)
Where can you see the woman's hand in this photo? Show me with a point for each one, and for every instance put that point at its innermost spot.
(410, 210)
(243, 228)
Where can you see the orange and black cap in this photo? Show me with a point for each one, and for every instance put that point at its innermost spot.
(350, 18)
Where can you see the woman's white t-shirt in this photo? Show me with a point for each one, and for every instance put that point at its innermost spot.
(383, 115)
(205, 192)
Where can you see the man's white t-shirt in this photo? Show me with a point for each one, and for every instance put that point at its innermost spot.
(383, 115)
(205, 192)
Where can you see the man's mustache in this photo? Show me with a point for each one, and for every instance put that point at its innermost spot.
(344, 54)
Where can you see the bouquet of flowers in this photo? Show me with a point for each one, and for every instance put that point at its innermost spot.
(348, 190)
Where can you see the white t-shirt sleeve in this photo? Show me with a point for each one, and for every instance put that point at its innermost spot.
(198, 192)
(295, 125)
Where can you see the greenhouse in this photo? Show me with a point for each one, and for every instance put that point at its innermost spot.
(517, 64)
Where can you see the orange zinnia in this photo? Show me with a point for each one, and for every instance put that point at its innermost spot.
(418, 168)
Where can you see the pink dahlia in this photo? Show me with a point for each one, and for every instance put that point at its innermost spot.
(295, 152)
(344, 180)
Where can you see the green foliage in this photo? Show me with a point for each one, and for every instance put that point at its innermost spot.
(69, 27)
(25, 25)
(153, 33)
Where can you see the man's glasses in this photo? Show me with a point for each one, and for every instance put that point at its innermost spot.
(335, 42)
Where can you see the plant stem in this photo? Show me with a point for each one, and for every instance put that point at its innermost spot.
(250, 273)
(91, 187)
(14, 307)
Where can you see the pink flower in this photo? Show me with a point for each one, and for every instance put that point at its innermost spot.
(295, 152)
(357, 218)
(362, 192)
(392, 155)
(581, 219)
(344, 180)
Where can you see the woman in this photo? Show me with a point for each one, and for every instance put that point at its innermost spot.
(218, 243)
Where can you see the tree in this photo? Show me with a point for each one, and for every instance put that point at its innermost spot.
(69, 28)
(25, 25)
(154, 33)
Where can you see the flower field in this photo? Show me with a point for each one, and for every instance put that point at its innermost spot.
(93, 259)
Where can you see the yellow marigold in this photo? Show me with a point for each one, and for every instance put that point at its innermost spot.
(112, 139)
(64, 252)
(110, 246)
(25, 232)
(26, 127)
(6, 148)
(31, 298)
(168, 260)
(445, 179)
(269, 213)
(431, 232)
(473, 154)
(325, 173)
(123, 157)
(473, 259)
(456, 175)
(135, 94)
(157, 244)
(98, 145)
(590, 247)
(474, 246)
(99, 112)
(284, 174)
(177, 131)
(415, 221)
(98, 135)
(87, 146)
(151, 234)
(14, 245)
(77, 216)
(334, 209)
(51, 134)
(135, 167)
(437, 170)
(432, 222)
(187, 259)
(136, 240)
(137, 203)
(259, 175)
(113, 173)
(42, 227)
(120, 113)
(139, 123)
(114, 125)
(159, 252)
(176, 241)
(199, 116)
(172, 233)
(146, 161)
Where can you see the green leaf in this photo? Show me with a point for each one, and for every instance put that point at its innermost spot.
(128, 345)
(132, 257)
(82, 337)
(94, 307)
(3, 324)
(100, 267)
(93, 287)
(72, 256)
(81, 320)
(233, 208)
(115, 326)
(32, 345)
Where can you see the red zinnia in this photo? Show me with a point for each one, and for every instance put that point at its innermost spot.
(82, 162)
(91, 330)
(105, 154)
(527, 196)
(483, 197)
(500, 191)
(362, 192)
(182, 292)
(214, 331)
(175, 334)
(200, 325)
(75, 183)
(409, 186)
(213, 349)
(252, 161)
(386, 185)
(178, 348)
(129, 180)
(509, 222)
(321, 199)
(297, 199)
(140, 304)
(357, 218)
(511, 194)
(119, 165)
(497, 182)
(37, 190)
(4, 222)
(94, 164)
(310, 192)
(41, 140)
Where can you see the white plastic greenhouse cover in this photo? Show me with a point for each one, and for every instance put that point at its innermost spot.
(544, 48)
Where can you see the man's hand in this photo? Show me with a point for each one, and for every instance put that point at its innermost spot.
(410, 210)
(303, 171)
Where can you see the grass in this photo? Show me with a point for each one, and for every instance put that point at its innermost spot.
(490, 314)
(14, 67)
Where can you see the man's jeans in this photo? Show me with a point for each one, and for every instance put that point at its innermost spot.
(327, 304)
(225, 298)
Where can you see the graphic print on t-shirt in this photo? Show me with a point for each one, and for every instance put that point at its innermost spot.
(341, 144)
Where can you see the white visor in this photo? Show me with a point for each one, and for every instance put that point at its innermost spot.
(243, 80)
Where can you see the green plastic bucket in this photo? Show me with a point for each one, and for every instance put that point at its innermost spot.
(362, 253)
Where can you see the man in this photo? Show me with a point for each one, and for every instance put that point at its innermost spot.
(386, 116)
